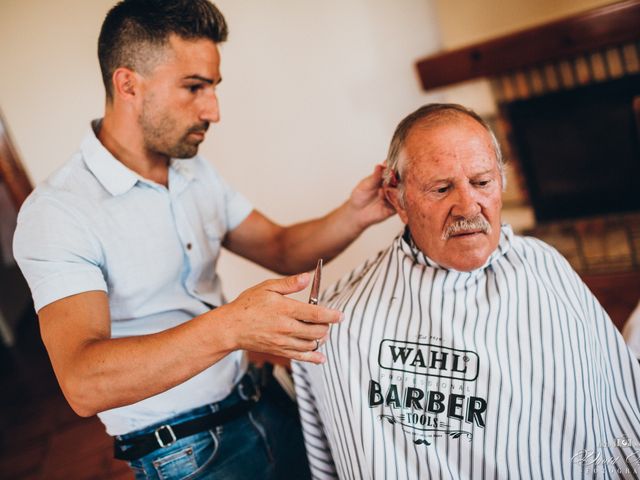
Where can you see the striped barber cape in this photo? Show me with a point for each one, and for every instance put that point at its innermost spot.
(513, 370)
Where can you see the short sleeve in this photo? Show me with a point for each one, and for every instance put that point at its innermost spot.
(237, 206)
(56, 252)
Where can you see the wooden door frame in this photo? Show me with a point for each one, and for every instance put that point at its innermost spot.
(12, 172)
(19, 186)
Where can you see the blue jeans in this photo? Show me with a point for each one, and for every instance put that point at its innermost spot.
(265, 443)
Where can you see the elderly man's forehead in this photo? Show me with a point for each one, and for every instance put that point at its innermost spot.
(427, 142)
(447, 118)
(427, 136)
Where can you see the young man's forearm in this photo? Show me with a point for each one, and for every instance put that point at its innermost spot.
(301, 245)
(110, 373)
(98, 373)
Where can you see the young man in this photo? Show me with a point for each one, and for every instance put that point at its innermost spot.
(120, 247)
(466, 351)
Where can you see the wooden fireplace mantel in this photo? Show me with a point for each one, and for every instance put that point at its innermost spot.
(597, 28)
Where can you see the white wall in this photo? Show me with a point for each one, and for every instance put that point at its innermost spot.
(50, 83)
(463, 22)
(311, 94)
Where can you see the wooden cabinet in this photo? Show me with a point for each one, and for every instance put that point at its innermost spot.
(618, 293)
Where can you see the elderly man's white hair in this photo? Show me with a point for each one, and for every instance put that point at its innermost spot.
(425, 116)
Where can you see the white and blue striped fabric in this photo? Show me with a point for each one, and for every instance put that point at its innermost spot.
(513, 370)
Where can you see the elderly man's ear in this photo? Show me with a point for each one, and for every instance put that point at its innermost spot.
(394, 197)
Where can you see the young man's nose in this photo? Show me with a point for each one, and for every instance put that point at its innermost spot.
(211, 111)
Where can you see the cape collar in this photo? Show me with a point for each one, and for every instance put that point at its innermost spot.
(406, 244)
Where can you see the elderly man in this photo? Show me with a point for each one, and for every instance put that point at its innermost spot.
(466, 351)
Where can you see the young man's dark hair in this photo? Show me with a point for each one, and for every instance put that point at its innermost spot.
(132, 26)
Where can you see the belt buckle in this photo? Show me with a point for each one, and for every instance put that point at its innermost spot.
(254, 396)
(159, 439)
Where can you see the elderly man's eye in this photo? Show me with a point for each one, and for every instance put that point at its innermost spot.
(483, 183)
(443, 189)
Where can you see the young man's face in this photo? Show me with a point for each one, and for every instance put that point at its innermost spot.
(453, 193)
(179, 99)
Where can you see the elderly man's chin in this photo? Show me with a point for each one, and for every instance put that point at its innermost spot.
(467, 252)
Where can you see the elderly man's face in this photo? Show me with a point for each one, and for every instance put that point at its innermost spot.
(453, 193)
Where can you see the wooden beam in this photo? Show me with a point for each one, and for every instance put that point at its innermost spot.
(601, 27)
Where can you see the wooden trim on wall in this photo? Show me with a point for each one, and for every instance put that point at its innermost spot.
(597, 28)
(617, 292)
(12, 173)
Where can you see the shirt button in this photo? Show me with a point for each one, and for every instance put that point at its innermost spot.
(188, 246)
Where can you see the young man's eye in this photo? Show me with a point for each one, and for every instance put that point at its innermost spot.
(194, 88)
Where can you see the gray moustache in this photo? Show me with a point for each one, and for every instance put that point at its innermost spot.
(467, 225)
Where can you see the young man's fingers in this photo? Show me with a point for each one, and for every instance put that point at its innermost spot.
(288, 285)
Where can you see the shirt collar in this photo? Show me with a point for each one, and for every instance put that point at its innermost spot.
(114, 176)
(183, 167)
(407, 246)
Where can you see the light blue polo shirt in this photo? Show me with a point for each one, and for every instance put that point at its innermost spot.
(97, 225)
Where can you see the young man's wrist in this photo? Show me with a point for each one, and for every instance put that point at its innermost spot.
(220, 330)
